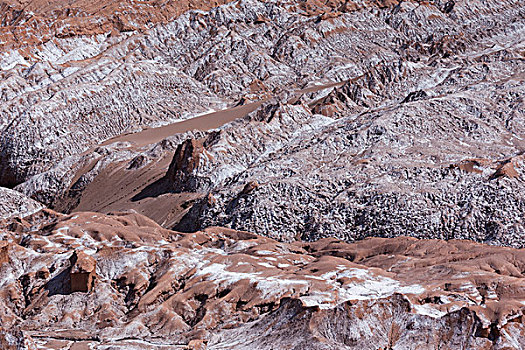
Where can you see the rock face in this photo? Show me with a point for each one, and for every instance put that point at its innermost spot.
(185, 162)
(83, 272)
(13, 203)
(262, 174)
(379, 119)
(4, 252)
(232, 289)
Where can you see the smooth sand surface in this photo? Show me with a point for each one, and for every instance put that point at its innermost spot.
(203, 122)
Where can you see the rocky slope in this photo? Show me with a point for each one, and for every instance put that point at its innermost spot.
(380, 119)
(114, 281)
(209, 174)
(13, 203)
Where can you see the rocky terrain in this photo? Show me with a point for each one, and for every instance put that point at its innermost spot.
(121, 281)
(374, 119)
(13, 203)
(192, 174)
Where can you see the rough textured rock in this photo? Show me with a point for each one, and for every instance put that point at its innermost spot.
(331, 121)
(29, 23)
(4, 252)
(227, 289)
(381, 119)
(14, 339)
(13, 203)
(367, 175)
(83, 272)
(98, 85)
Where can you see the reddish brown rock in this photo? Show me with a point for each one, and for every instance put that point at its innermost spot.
(14, 339)
(249, 187)
(506, 169)
(471, 165)
(227, 289)
(434, 83)
(83, 272)
(182, 172)
(197, 344)
(187, 156)
(4, 252)
(27, 23)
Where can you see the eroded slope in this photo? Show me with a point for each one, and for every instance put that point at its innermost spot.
(121, 280)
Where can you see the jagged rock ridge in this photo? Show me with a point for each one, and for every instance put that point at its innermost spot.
(338, 119)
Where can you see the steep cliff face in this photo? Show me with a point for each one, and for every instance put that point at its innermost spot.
(123, 281)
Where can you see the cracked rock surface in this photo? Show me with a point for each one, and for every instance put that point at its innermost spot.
(376, 119)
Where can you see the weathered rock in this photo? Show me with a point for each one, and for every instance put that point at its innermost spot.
(185, 161)
(14, 339)
(4, 252)
(232, 289)
(249, 187)
(343, 119)
(197, 344)
(13, 203)
(235, 49)
(373, 106)
(83, 272)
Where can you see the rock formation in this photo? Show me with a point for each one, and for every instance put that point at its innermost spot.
(4, 252)
(262, 174)
(368, 109)
(83, 272)
(13, 203)
(227, 289)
